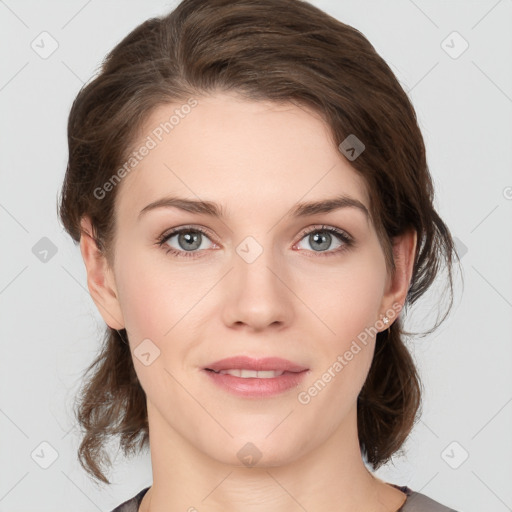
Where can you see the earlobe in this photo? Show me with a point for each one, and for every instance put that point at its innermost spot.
(100, 278)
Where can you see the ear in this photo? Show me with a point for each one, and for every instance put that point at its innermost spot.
(100, 278)
(404, 248)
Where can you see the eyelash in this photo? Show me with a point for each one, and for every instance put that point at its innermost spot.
(162, 239)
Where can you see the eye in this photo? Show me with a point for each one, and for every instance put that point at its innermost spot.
(189, 239)
(320, 238)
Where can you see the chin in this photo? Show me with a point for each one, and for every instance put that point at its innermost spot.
(254, 450)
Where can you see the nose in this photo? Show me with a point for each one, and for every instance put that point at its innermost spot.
(257, 292)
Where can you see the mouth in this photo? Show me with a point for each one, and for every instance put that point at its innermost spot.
(255, 378)
(247, 364)
(250, 374)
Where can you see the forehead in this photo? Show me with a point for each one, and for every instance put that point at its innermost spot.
(247, 154)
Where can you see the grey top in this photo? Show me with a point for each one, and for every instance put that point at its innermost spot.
(415, 502)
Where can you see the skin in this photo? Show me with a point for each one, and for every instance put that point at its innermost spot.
(257, 159)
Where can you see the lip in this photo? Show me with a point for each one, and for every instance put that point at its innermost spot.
(261, 364)
(254, 387)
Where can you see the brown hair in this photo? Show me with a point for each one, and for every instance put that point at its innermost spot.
(283, 51)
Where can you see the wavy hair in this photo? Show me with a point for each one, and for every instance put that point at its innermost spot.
(278, 50)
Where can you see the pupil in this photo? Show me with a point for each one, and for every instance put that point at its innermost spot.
(190, 240)
(324, 240)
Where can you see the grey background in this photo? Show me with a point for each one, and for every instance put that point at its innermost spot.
(50, 328)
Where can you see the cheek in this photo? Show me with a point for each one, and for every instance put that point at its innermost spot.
(160, 302)
(153, 295)
(348, 297)
(152, 304)
(141, 303)
(348, 301)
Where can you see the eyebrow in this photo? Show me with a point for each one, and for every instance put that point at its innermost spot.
(299, 210)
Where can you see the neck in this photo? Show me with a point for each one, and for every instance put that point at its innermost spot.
(332, 476)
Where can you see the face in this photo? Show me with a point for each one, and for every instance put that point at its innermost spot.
(258, 281)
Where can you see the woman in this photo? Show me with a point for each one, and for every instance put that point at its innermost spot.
(248, 185)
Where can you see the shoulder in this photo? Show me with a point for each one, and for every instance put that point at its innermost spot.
(417, 502)
(132, 505)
